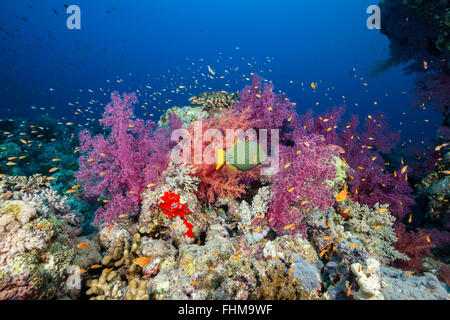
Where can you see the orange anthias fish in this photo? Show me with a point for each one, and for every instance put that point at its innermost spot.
(382, 210)
(342, 195)
(404, 169)
(322, 253)
(438, 148)
(84, 245)
(142, 261)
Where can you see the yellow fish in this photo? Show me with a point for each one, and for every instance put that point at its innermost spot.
(142, 261)
(404, 169)
(53, 170)
(322, 253)
(313, 85)
(289, 226)
(441, 146)
(342, 195)
(382, 210)
(243, 156)
(84, 245)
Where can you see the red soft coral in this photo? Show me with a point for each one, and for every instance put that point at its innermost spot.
(415, 245)
(172, 207)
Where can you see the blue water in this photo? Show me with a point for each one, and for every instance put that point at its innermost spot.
(165, 44)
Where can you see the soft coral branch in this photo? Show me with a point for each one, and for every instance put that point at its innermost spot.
(118, 167)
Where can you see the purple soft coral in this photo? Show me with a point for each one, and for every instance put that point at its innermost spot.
(369, 182)
(301, 185)
(119, 167)
(274, 111)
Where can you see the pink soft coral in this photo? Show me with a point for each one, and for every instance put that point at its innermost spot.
(301, 185)
(117, 168)
(274, 111)
(370, 183)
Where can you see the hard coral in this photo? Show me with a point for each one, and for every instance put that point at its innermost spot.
(281, 284)
(214, 100)
(119, 167)
(373, 227)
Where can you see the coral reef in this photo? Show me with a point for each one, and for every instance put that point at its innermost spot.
(324, 225)
(37, 238)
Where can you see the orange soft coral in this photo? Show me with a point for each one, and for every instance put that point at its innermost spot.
(224, 183)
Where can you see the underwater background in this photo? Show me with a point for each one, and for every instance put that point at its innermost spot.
(56, 82)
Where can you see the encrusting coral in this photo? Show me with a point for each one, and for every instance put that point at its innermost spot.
(280, 284)
(37, 237)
